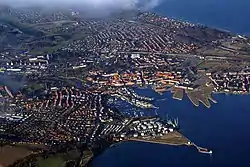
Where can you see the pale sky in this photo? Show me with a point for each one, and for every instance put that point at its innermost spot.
(93, 4)
(94, 8)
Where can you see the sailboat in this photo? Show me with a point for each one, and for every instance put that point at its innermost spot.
(174, 123)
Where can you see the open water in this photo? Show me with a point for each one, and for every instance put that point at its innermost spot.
(224, 128)
(232, 15)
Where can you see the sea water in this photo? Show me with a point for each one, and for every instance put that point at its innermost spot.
(232, 15)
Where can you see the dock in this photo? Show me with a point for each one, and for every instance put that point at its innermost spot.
(178, 93)
(202, 149)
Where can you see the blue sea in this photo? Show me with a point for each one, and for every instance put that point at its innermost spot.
(224, 128)
(232, 15)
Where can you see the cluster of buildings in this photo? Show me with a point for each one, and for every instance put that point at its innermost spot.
(66, 115)
(164, 21)
(132, 35)
(137, 78)
(143, 32)
(23, 63)
(7, 101)
(73, 115)
(231, 82)
(155, 70)
(35, 16)
(139, 128)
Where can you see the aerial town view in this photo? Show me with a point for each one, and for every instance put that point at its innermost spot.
(63, 75)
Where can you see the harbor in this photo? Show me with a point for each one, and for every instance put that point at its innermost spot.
(129, 96)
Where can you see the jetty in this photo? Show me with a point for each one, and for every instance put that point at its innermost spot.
(178, 93)
(203, 96)
(202, 149)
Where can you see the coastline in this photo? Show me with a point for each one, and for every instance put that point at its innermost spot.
(202, 13)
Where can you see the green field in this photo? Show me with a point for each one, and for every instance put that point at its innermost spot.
(209, 64)
(58, 160)
(55, 161)
(25, 28)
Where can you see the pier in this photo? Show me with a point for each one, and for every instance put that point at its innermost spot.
(199, 149)
(202, 150)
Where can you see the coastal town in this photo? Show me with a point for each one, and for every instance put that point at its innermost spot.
(70, 116)
(60, 73)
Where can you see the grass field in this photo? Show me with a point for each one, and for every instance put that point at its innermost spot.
(58, 160)
(209, 64)
(10, 154)
(172, 138)
(54, 161)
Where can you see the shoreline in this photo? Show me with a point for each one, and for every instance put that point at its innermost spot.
(173, 139)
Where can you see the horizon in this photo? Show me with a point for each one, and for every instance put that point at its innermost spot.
(96, 8)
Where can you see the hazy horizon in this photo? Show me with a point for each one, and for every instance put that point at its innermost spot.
(97, 7)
